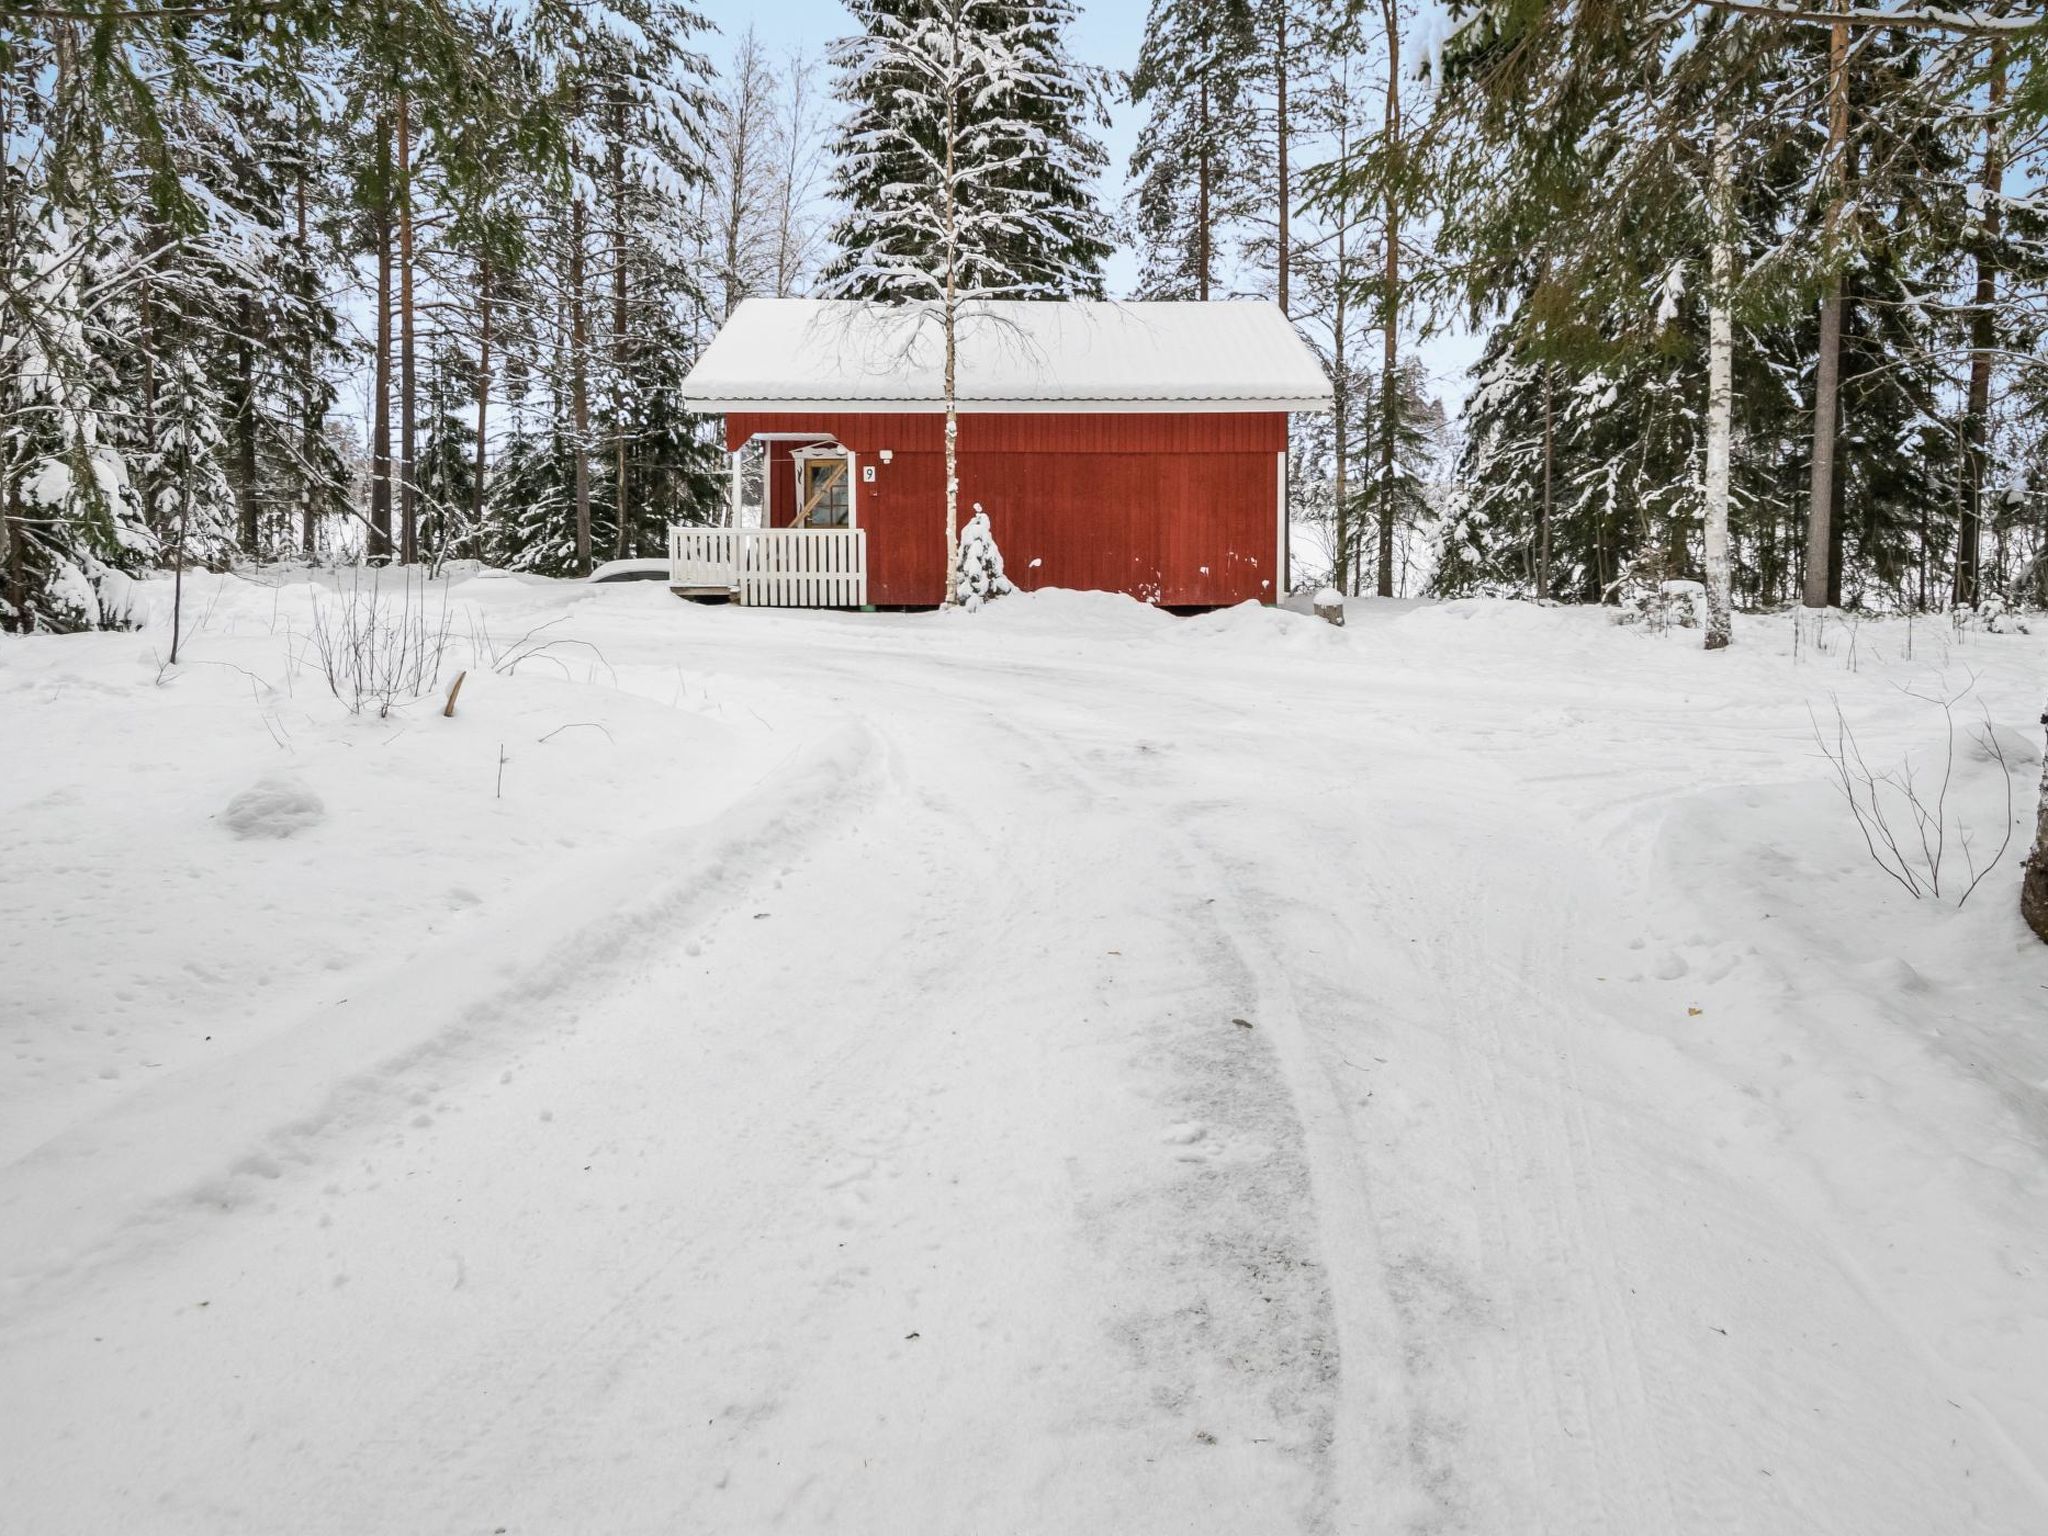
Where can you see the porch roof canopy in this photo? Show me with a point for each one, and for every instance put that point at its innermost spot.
(1013, 355)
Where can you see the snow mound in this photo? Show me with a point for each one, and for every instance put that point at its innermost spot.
(628, 570)
(1256, 623)
(1503, 614)
(1988, 743)
(1054, 610)
(276, 805)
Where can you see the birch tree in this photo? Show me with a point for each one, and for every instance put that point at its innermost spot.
(1720, 384)
(960, 217)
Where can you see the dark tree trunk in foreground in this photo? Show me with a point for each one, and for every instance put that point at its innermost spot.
(408, 398)
(1822, 533)
(2034, 885)
(1983, 338)
(579, 385)
(483, 394)
(380, 410)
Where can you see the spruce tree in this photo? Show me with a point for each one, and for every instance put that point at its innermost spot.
(1197, 153)
(1035, 142)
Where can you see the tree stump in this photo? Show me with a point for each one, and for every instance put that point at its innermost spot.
(1329, 606)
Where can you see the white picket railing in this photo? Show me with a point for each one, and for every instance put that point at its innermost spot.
(703, 559)
(773, 567)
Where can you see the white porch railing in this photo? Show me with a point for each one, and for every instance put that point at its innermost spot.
(773, 567)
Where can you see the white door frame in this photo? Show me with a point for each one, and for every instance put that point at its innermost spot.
(802, 456)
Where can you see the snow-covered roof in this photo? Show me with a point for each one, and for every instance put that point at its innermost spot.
(1094, 355)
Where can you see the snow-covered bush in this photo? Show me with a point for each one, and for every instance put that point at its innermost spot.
(1991, 617)
(380, 648)
(1667, 605)
(980, 576)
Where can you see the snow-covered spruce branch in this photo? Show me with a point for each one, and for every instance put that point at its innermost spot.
(1922, 18)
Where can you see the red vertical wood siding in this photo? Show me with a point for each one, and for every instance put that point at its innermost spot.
(1179, 509)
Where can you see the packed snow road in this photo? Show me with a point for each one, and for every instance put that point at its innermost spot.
(1057, 1069)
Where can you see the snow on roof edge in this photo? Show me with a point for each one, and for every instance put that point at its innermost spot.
(1108, 355)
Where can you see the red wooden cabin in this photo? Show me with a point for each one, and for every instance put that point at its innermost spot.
(1136, 448)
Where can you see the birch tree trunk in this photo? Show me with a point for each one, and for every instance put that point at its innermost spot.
(1720, 392)
(952, 595)
(1201, 198)
(1280, 144)
(483, 394)
(1340, 402)
(309, 417)
(620, 341)
(1390, 318)
(1549, 453)
(1827, 385)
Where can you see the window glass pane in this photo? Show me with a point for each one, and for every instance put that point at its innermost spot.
(829, 509)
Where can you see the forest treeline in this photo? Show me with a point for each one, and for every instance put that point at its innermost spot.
(419, 279)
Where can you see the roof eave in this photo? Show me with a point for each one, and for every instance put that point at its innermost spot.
(777, 406)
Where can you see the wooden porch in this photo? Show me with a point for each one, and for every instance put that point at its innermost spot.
(771, 567)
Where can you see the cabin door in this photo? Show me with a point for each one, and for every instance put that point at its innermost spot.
(824, 489)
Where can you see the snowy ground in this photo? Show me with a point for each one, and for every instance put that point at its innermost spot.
(1065, 1069)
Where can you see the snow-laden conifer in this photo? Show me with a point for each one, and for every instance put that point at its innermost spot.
(1023, 115)
(959, 218)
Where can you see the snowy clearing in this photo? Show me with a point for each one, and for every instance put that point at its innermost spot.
(1063, 1068)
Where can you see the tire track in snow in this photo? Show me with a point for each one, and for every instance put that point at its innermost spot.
(137, 1174)
(1372, 1411)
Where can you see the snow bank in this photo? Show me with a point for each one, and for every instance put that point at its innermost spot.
(1250, 627)
(1064, 611)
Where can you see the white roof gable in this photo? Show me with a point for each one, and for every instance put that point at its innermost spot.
(843, 354)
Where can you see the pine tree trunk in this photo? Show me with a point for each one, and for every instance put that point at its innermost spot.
(408, 404)
(380, 409)
(579, 384)
(1720, 393)
(250, 531)
(148, 478)
(1821, 494)
(483, 395)
(1983, 336)
(2034, 882)
(1280, 139)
